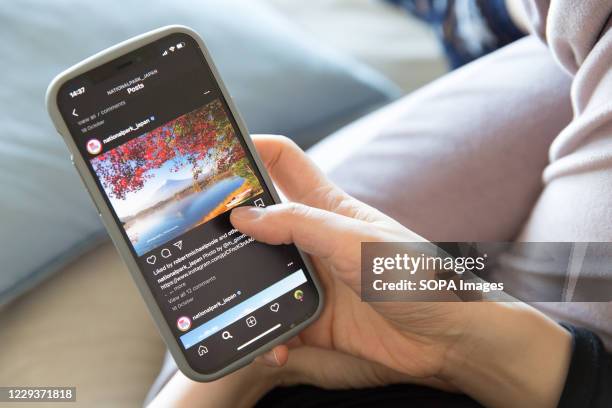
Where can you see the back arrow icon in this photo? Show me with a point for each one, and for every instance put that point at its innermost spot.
(74, 113)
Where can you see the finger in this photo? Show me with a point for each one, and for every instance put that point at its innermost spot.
(294, 342)
(277, 357)
(315, 231)
(321, 233)
(292, 170)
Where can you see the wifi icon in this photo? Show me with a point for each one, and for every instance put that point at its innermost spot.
(172, 48)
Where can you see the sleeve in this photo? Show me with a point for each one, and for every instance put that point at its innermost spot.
(579, 35)
(586, 144)
(576, 203)
(589, 379)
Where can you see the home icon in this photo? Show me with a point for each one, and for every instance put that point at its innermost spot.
(202, 350)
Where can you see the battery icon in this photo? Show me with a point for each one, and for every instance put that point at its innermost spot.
(180, 45)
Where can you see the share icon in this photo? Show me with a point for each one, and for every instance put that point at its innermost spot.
(179, 244)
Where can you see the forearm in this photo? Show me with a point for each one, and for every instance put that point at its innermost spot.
(240, 389)
(511, 355)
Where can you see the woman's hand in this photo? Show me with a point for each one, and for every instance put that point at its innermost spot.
(495, 352)
(325, 222)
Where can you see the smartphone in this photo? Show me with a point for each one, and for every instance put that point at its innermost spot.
(165, 156)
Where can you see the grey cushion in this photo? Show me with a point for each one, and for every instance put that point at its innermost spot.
(282, 83)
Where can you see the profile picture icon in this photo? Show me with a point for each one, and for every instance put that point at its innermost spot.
(183, 323)
(298, 295)
(94, 146)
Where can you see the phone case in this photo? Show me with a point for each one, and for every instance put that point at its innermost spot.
(90, 184)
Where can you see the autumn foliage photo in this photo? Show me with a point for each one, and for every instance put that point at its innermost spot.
(176, 177)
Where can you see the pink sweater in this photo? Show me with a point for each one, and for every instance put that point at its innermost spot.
(579, 35)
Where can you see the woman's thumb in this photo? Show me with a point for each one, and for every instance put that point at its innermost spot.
(318, 232)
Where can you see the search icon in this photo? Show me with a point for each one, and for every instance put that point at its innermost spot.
(226, 335)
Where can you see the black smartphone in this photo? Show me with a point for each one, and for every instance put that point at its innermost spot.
(164, 154)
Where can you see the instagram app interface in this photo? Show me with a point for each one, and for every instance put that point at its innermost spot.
(171, 163)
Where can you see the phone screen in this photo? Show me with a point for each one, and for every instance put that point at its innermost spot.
(165, 150)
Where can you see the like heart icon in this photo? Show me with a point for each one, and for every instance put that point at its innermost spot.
(274, 307)
(151, 259)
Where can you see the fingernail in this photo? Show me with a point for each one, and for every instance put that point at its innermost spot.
(271, 359)
(247, 213)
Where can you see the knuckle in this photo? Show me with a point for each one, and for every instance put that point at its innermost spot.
(297, 210)
(285, 140)
(288, 144)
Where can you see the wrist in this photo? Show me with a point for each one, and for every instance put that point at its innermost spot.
(509, 355)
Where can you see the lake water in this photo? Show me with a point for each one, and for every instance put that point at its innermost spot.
(178, 217)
